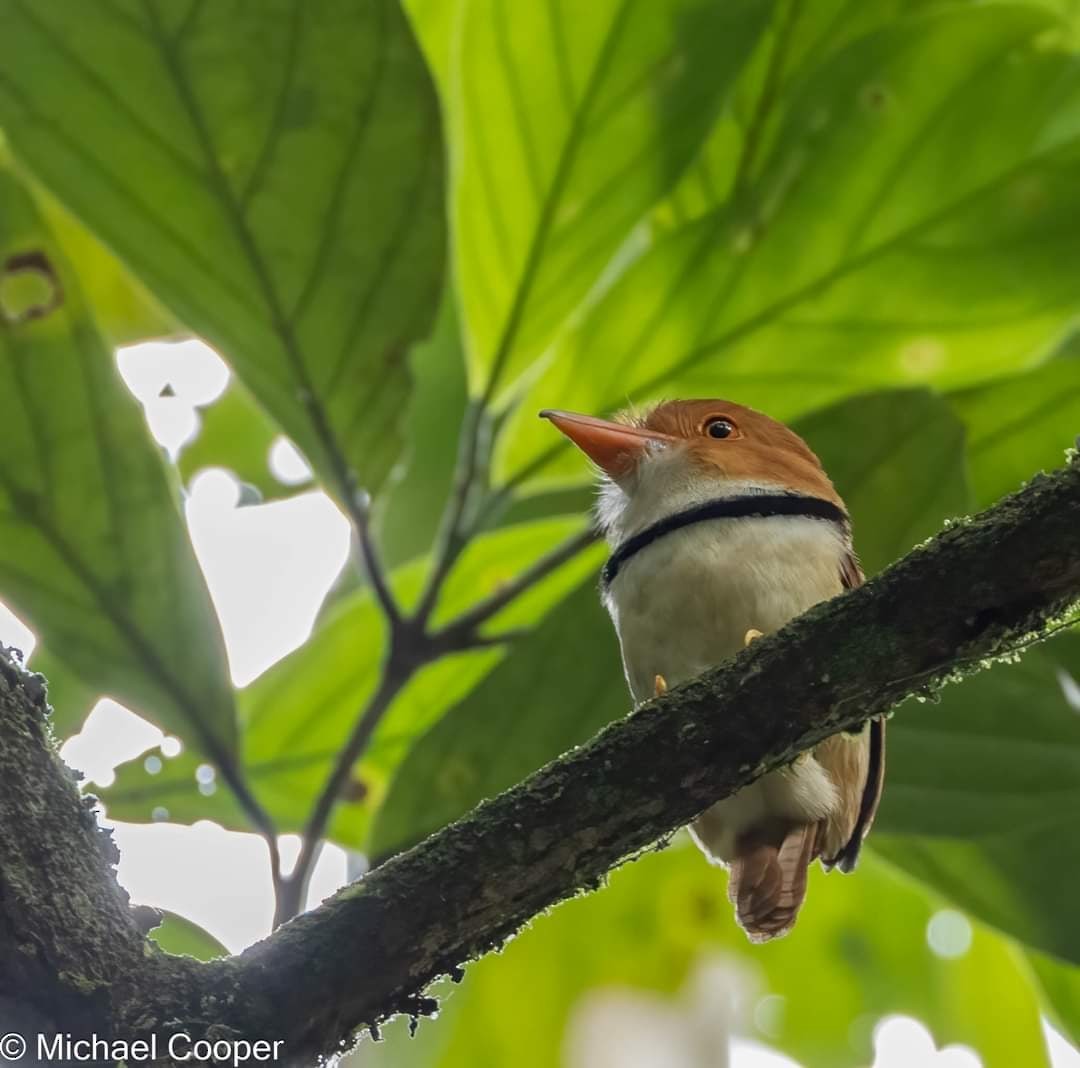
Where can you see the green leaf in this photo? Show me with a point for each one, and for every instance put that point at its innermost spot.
(981, 791)
(94, 553)
(568, 123)
(433, 21)
(408, 513)
(70, 698)
(891, 237)
(297, 715)
(904, 479)
(306, 704)
(562, 684)
(1020, 425)
(121, 305)
(659, 940)
(1060, 985)
(124, 310)
(272, 172)
(801, 36)
(175, 934)
(155, 787)
(897, 458)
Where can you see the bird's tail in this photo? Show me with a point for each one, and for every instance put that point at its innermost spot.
(767, 883)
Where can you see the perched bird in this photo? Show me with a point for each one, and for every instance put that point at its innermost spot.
(724, 526)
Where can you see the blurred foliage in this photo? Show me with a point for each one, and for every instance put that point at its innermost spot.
(861, 216)
(982, 788)
(1016, 426)
(1060, 984)
(175, 934)
(859, 951)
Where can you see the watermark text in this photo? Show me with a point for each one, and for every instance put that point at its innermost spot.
(179, 1047)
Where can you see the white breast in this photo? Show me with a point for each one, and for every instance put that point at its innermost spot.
(684, 603)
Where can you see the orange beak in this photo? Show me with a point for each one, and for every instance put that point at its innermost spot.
(613, 447)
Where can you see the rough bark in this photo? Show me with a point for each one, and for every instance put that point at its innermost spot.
(71, 950)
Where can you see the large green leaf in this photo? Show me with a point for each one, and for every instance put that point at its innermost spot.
(568, 122)
(1060, 985)
(124, 311)
(981, 796)
(70, 698)
(156, 788)
(1020, 425)
(434, 21)
(801, 36)
(662, 926)
(891, 237)
(94, 554)
(273, 173)
(897, 459)
(412, 502)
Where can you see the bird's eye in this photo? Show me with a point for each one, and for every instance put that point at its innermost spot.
(720, 428)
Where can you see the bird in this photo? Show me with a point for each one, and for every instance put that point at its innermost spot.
(723, 526)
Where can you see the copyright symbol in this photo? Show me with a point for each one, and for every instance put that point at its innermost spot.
(12, 1046)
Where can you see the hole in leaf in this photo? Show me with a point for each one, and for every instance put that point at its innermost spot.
(29, 288)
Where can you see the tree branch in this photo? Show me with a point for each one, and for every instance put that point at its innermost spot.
(359, 507)
(463, 629)
(451, 537)
(979, 590)
(58, 892)
(289, 899)
(411, 647)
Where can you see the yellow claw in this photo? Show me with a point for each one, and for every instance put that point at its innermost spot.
(659, 686)
(752, 635)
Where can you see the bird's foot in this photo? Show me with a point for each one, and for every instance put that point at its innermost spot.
(659, 686)
(752, 635)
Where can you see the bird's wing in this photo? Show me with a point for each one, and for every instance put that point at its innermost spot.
(851, 574)
(856, 763)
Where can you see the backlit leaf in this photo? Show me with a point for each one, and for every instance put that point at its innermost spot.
(568, 122)
(892, 237)
(272, 172)
(94, 554)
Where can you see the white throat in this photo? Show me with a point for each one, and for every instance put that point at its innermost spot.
(664, 483)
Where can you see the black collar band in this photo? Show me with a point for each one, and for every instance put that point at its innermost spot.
(748, 505)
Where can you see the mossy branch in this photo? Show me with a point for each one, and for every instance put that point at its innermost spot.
(980, 590)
